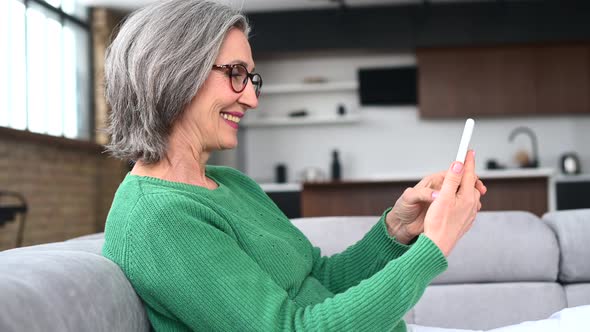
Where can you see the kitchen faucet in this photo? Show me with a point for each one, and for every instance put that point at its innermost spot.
(534, 162)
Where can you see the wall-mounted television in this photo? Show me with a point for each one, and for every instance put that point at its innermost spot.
(388, 86)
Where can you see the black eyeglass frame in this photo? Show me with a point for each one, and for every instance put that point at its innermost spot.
(229, 68)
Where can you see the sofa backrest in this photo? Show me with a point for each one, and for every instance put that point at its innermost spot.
(505, 246)
(502, 272)
(66, 286)
(334, 234)
(508, 246)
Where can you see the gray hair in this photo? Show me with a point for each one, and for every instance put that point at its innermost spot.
(160, 58)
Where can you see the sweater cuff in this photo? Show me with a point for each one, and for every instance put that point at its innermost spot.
(427, 259)
(382, 244)
(383, 221)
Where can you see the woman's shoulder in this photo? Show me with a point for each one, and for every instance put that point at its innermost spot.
(144, 208)
(137, 211)
(141, 196)
(140, 201)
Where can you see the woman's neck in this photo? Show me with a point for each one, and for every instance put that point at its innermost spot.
(184, 165)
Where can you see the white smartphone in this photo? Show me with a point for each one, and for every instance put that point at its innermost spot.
(465, 139)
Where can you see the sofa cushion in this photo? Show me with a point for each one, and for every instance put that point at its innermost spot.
(573, 231)
(53, 289)
(486, 306)
(507, 246)
(577, 294)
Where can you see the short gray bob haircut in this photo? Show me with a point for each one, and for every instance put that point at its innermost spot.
(160, 58)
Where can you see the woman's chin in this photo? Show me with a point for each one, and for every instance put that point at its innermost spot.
(229, 145)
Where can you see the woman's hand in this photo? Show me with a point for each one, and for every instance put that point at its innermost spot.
(451, 215)
(405, 221)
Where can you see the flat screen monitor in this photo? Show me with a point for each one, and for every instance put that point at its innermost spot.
(388, 86)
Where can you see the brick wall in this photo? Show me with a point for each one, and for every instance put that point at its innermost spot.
(68, 186)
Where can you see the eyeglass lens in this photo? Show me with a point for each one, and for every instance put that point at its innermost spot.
(239, 79)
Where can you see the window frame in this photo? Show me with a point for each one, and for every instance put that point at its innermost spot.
(85, 26)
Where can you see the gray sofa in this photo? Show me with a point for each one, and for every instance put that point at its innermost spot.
(511, 267)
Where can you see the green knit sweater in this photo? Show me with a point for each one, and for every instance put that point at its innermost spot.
(229, 260)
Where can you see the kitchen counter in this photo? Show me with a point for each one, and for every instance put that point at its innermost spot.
(395, 177)
(483, 174)
(572, 178)
(281, 187)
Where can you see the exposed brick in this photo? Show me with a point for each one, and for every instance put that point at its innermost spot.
(61, 187)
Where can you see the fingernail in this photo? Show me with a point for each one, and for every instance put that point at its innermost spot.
(434, 194)
(457, 167)
(473, 153)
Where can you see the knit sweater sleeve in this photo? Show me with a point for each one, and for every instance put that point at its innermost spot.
(191, 269)
(359, 261)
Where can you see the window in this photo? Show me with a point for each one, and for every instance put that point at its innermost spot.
(45, 73)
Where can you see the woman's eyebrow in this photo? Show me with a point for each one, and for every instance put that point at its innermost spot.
(243, 63)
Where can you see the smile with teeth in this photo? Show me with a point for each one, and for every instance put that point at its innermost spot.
(230, 117)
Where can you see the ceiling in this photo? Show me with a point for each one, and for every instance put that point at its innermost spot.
(269, 5)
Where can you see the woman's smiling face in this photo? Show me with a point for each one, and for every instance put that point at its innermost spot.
(215, 111)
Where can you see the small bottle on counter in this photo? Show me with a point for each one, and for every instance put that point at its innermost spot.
(336, 169)
(281, 173)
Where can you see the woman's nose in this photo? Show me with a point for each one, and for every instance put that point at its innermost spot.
(248, 96)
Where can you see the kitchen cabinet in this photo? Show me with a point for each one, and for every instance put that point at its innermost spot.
(350, 198)
(287, 201)
(573, 192)
(286, 196)
(372, 197)
(562, 79)
(504, 80)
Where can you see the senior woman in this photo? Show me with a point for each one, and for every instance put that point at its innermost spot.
(203, 246)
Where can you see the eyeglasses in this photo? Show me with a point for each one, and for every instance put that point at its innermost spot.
(238, 77)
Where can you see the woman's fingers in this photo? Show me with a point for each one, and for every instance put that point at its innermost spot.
(452, 180)
(469, 177)
(477, 201)
(481, 187)
(478, 207)
(419, 195)
(433, 181)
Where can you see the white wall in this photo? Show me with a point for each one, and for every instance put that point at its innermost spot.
(388, 139)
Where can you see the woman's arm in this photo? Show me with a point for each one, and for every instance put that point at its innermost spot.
(359, 261)
(194, 272)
